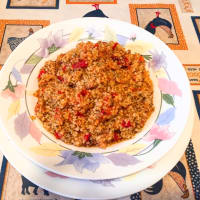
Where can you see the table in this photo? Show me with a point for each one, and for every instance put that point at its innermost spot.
(175, 22)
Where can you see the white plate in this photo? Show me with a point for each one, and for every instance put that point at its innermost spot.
(16, 103)
(110, 189)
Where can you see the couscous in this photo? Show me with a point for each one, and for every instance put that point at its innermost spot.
(95, 95)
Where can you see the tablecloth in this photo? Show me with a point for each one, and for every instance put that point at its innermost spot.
(176, 22)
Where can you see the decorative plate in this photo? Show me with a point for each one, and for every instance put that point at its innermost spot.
(101, 189)
(18, 82)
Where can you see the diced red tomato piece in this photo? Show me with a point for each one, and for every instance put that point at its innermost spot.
(78, 114)
(57, 135)
(96, 45)
(115, 45)
(141, 59)
(123, 123)
(126, 125)
(116, 137)
(64, 68)
(60, 92)
(103, 112)
(80, 64)
(60, 78)
(106, 112)
(134, 89)
(126, 60)
(83, 92)
(69, 117)
(87, 137)
(106, 98)
(114, 58)
(42, 71)
(114, 94)
(118, 62)
(57, 110)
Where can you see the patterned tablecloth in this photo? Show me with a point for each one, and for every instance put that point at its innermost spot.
(176, 22)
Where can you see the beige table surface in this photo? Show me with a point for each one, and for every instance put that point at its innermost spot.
(18, 16)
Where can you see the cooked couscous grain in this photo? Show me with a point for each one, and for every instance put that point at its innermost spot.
(94, 95)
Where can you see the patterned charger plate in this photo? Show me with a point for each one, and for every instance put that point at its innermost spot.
(101, 189)
(18, 82)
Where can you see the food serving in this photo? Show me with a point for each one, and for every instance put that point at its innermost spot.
(95, 95)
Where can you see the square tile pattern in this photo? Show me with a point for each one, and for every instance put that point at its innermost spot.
(13, 32)
(162, 21)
